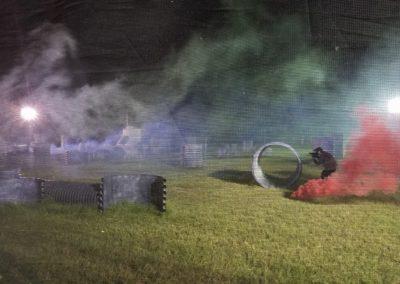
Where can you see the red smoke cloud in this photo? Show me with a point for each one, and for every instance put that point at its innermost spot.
(371, 164)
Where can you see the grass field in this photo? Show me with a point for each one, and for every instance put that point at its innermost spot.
(219, 227)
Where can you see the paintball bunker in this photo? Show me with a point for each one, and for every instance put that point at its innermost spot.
(258, 173)
(136, 188)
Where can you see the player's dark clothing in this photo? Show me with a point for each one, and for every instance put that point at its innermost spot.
(326, 173)
(327, 161)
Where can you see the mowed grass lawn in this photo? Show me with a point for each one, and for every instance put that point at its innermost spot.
(219, 227)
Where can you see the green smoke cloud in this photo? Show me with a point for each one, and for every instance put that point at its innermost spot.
(255, 77)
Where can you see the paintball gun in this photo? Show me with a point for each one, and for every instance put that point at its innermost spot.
(315, 157)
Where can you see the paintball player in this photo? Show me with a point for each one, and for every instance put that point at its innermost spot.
(321, 157)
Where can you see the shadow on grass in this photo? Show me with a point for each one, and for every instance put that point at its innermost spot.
(374, 197)
(13, 270)
(235, 176)
(246, 177)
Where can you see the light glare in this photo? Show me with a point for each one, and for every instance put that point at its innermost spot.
(28, 113)
(394, 105)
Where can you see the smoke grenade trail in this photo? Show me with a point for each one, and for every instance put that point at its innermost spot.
(372, 164)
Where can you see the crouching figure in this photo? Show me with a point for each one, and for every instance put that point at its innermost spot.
(321, 157)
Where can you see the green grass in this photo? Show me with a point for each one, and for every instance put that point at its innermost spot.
(219, 227)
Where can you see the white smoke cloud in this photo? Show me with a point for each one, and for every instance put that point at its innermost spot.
(41, 77)
(40, 62)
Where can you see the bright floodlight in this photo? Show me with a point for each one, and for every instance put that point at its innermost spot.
(28, 113)
(394, 105)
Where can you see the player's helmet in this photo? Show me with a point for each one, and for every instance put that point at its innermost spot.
(318, 149)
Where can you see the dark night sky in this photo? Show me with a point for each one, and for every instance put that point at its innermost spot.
(112, 36)
(123, 36)
(120, 37)
(116, 36)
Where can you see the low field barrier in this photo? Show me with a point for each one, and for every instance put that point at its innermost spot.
(136, 188)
